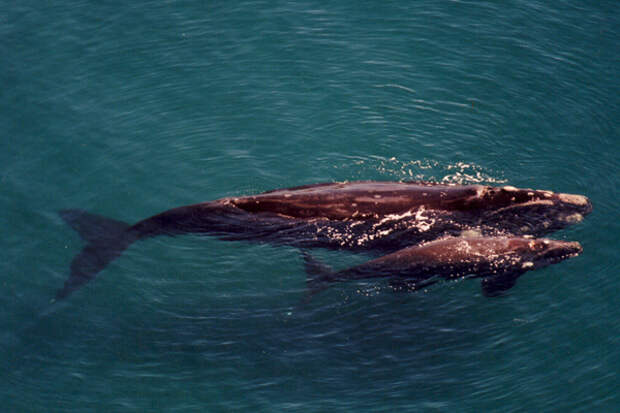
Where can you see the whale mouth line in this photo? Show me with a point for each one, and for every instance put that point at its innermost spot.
(561, 257)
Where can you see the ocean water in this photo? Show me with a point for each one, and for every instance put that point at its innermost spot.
(127, 109)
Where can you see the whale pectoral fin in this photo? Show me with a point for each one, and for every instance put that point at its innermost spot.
(498, 285)
(317, 275)
(314, 267)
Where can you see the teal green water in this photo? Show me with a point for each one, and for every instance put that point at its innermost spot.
(128, 109)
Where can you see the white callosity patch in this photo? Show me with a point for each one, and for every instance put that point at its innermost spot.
(573, 218)
(579, 200)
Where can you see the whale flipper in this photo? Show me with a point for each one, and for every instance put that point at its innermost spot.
(317, 274)
(499, 284)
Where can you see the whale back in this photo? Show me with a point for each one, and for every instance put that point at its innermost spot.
(358, 200)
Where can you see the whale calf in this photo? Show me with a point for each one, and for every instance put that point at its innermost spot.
(365, 215)
(498, 260)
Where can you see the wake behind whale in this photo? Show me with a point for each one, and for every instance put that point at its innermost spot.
(360, 216)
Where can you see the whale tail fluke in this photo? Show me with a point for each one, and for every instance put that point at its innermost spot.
(106, 239)
(92, 228)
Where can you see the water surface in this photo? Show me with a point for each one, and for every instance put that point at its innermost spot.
(126, 110)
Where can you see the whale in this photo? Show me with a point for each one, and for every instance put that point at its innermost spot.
(375, 216)
(499, 261)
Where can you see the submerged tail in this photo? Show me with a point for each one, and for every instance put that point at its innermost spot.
(106, 239)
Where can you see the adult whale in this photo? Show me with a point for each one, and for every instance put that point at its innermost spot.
(368, 215)
(498, 260)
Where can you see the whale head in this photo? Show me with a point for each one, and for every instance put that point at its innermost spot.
(531, 212)
(519, 255)
(539, 253)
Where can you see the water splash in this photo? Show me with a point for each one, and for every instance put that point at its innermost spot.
(424, 170)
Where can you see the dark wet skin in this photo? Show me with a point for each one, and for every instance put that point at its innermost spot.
(375, 216)
(372, 216)
(456, 257)
(365, 200)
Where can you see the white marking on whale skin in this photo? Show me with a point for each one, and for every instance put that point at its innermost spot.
(510, 188)
(468, 249)
(527, 264)
(573, 199)
(573, 218)
(423, 223)
(540, 202)
(384, 199)
(471, 233)
(394, 217)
